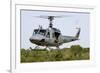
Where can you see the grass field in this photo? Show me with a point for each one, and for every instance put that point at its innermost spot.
(75, 52)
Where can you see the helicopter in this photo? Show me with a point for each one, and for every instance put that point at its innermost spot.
(51, 37)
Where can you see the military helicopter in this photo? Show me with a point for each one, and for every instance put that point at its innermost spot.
(51, 37)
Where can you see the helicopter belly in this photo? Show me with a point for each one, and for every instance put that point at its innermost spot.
(45, 42)
(37, 42)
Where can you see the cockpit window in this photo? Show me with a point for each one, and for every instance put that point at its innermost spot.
(36, 31)
(41, 31)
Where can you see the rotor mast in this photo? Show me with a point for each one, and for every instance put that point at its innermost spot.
(51, 18)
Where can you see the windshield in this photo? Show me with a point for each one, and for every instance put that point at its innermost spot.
(35, 31)
(41, 31)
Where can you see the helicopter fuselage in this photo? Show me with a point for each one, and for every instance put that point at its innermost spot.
(50, 40)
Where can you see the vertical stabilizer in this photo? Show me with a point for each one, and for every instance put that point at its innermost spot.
(78, 33)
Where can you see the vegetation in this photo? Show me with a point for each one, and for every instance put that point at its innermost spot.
(75, 52)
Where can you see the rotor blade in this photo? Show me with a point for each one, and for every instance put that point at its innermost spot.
(62, 16)
(46, 17)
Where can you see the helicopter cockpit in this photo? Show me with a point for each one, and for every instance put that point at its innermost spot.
(45, 32)
(39, 31)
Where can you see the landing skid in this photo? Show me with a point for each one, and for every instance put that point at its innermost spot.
(37, 47)
(47, 48)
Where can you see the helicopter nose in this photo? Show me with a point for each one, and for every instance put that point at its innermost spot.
(35, 38)
(31, 39)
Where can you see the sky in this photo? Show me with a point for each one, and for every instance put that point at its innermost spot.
(67, 24)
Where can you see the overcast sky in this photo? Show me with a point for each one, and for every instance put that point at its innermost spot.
(67, 24)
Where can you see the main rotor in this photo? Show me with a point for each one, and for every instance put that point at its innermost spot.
(50, 18)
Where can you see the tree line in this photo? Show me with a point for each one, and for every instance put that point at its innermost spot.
(75, 52)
